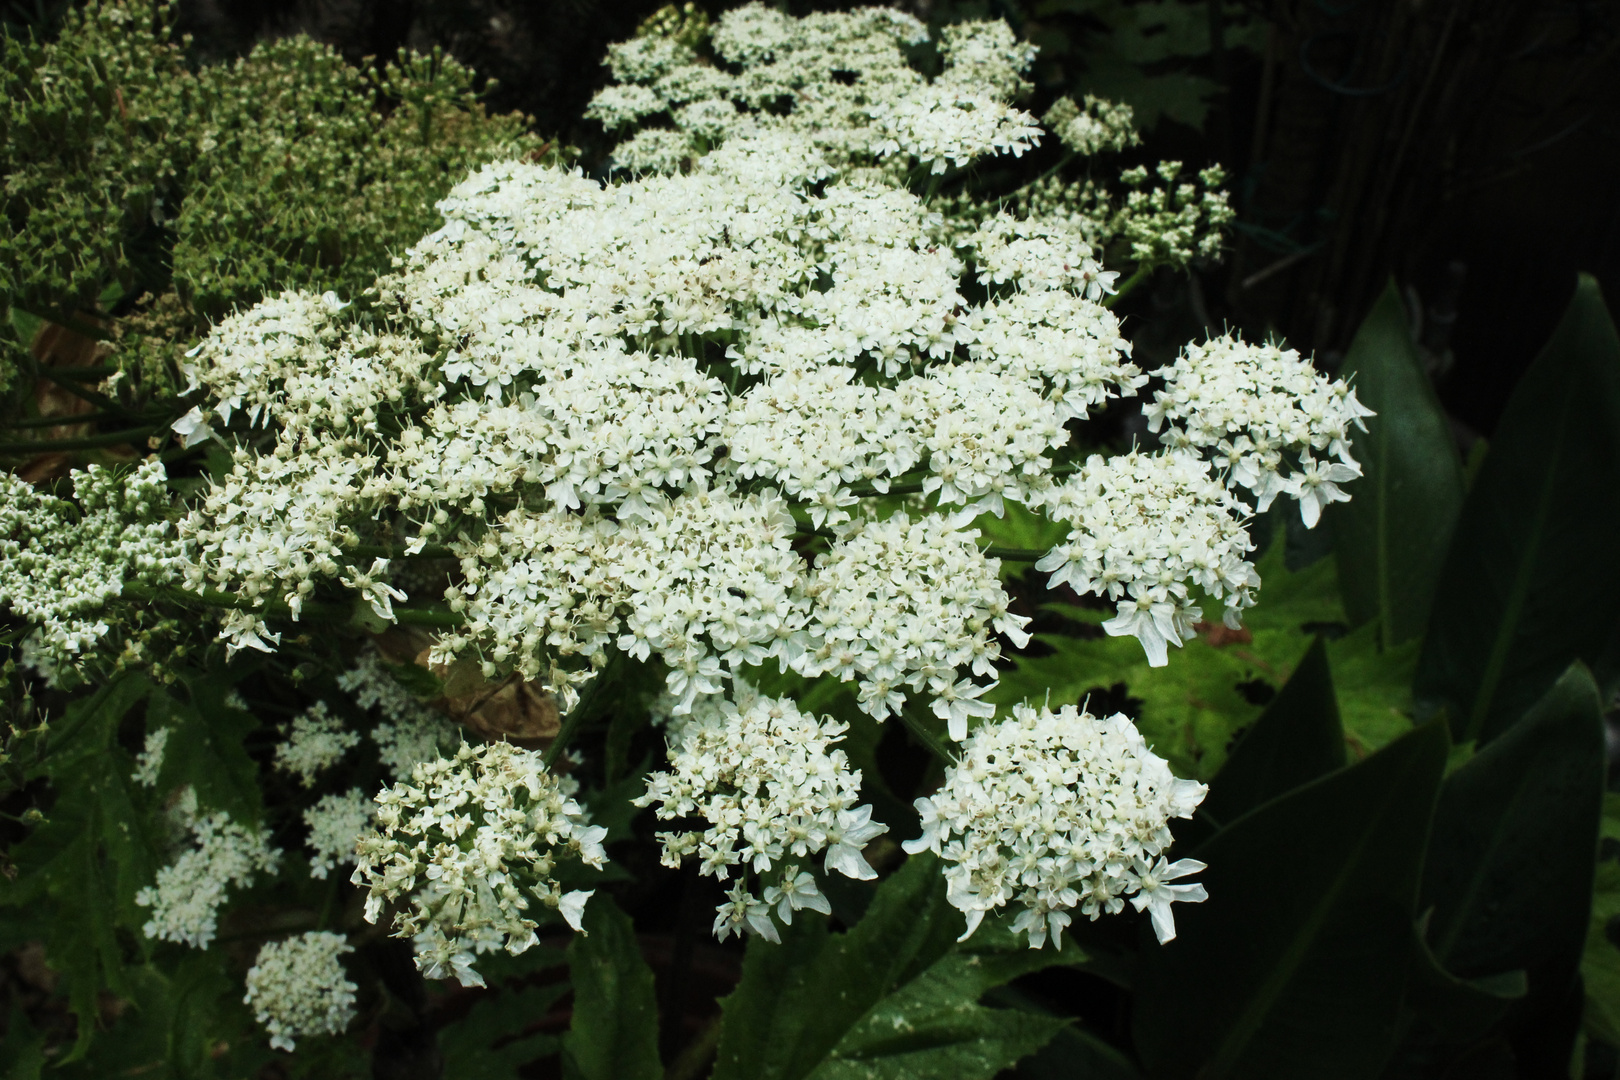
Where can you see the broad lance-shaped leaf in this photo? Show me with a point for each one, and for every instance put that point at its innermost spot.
(614, 1035)
(1294, 965)
(1296, 740)
(1391, 537)
(1531, 581)
(888, 999)
(1510, 864)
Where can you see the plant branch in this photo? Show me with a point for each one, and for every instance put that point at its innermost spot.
(920, 731)
(583, 708)
(88, 442)
(1127, 286)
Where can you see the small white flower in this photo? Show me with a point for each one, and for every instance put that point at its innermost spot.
(192, 428)
(1156, 897)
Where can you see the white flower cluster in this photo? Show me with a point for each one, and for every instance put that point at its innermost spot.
(651, 393)
(1145, 527)
(298, 987)
(187, 895)
(312, 742)
(62, 561)
(761, 774)
(410, 731)
(1265, 414)
(909, 603)
(1094, 127)
(1055, 811)
(149, 762)
(336, 823)
(839, 79)
(469, 841)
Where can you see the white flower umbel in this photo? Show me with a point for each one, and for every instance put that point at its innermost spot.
(469, 842)
(1145, 530)
(298, 987)
(1058, 811)
(844, 79)
(1263, 413)
(312, 742)
(763, 776)
(650, 405)
(335, 824)
(62, 562)
(187, 895)
(907, 604)
(410, 730)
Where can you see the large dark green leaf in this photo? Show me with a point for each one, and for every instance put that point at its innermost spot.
(797, 1000)
(206, 746)
(1508, 616)
(614, 1035)
(489, 1042)
(889, 999)
(931, 1028)
(1294, 965)
(1510, 864)
(1297, 739)
(78, 873)
(1391, 537)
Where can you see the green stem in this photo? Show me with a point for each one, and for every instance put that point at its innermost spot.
(1062, 162)
(442, 618)
(697, 1054)
(89, 442)
(920, 731)
(1142, 273)
(1014, 554)
(575, 720)
(63, 421)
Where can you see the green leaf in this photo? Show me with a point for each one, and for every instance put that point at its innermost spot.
(1294, 965)
(1296, 740)
(22, 1051)
(469, 1046)
(1510, 864)
(1374, 689)
(798, 1000)
(191, 1022)
(1508, 618)
(206, 747)
(1600, 959)
(1457, 1010)
(1191, 709)
(614, 1035)
(931, 1027)
(78, 873)
(1391, 537)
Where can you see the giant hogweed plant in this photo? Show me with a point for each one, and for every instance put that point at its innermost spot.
(724, 455)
